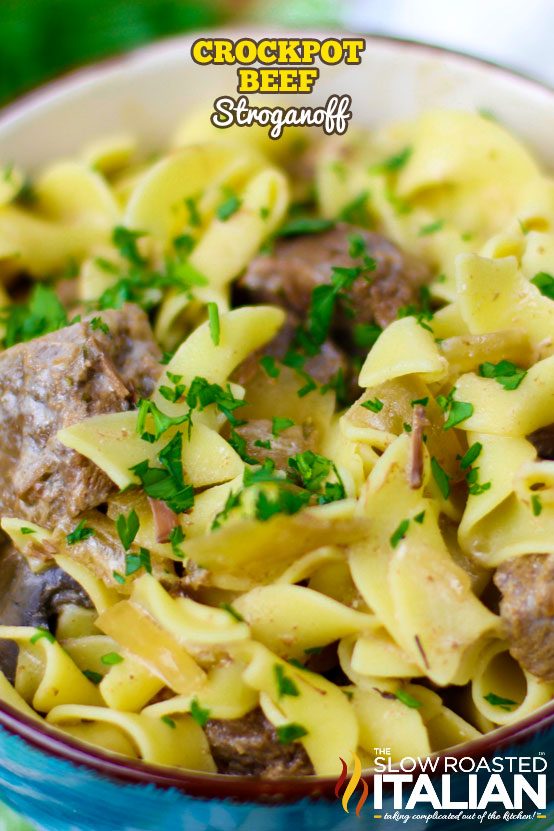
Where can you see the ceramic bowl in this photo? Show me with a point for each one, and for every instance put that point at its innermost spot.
(58, 783)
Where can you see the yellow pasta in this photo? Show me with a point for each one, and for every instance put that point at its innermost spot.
(284, 416)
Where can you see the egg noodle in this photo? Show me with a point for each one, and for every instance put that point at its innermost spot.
(379, 543)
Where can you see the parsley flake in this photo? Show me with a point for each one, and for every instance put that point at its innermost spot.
(269, 366)
(127, 528)
(497, 701)
(400, 533)
(134, 562)
(507, 374)
(287, 733)
(278, 425)
(305, 225)
(431, 228)
(110, 659)
(459, 411)
(98, 323)
(213, 317)
(375, 405)
(545, 284)
(408, 699)
(232, 611)
(42, 633)
(285, 685)
(93, 677)
(229, 206)
(200, 714)
(169, 721)
(167, 483)
(471, 455)
(536, 504)
(441, 478)
(80, 532)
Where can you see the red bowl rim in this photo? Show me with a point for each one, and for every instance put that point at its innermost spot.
(217, 786)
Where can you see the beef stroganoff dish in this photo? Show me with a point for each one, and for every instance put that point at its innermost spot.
(277, 446)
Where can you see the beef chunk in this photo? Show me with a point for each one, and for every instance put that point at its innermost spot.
(29, 599)
(58, 380)
(543, 441)
(527, 609)
(249, 746)
(299, 264)
(295, 439)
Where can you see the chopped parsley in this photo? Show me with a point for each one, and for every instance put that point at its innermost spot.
(375, 405)
(200, 714)
(431, 228)
(176, 537)
(25, 530)
(239, 444)
(166, 482)
(194, 216)
(134, 562)
(536, 504)
(475, 487)
(365, 334)
(42, 633)
(169, 721)
(287, 733)
(80, 532)
(408, 699)
(175, 392)
(280, 424)
(459, 411)
(423, 401)
(269, 365)
(162, 422)
(305, 225)
(400, 533)
(497, 701)
(356, 212)
(183, 244)
(41, 314)
(507, 374)
(232, 501)
(422, 312)
(125, 240)
(110, 659)
(545, 284)
(127, 528)
(138, 283)
(213, 317)
(232, 611)
(119, 578)
(98, 324)
(201, 394)
(471, 455)
(94, 677)
(265, 473)
(229, 206)
(419, 517)
(265, 444)
(285, 502)
(285, 685)
(393, 163)
(311, 470)
(441, 478)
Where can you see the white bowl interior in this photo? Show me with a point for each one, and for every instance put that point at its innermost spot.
(149, 91)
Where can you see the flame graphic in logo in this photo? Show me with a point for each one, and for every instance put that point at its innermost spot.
(352, 785)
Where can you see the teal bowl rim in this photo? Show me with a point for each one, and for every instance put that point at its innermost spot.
(221, 786)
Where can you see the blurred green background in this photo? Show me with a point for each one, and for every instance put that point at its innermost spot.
(39, 39)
